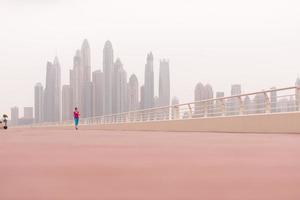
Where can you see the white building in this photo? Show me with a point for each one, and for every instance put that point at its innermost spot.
(133, 93)
(108, 62)
(164, 83)
(38, 102)
(67, 105)
(149, 83)
(52, 97)
(98, 93)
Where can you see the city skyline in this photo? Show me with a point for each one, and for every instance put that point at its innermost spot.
(213, 42)
(87, 90)
(97, 93)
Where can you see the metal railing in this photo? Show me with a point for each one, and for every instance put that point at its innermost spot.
(264, 102)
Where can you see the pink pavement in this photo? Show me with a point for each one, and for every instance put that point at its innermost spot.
(46, 164)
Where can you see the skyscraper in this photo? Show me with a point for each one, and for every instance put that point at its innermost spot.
(14, 116)
(273, 100)
(67, 106)
(116, 86)
(98, 93)
(108, 61)
(57, 94)
(49, 94)
(209, 94)
(133, 93)
(86, 61)
(38, 102)
(203, 93)
(234, 103)
(149, 83)
(76, 79)
(86, 85)
(119, 88)
(142, 102)
(52, 97)
(236, 89)
(259, 103)
(164, 83)
(199, 95)
(87, 99)
(123, 91)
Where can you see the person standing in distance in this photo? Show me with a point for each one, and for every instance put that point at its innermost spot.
(76, 117)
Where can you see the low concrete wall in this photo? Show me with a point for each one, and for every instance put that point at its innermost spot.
(265, 123)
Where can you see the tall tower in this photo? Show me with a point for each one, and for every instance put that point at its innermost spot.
(38, 102)
(86, 87)
(164, 83)
(203, 93)
(76, 80)
(142, 102)
(86, 61)
(273, 98)
(67, 106)
(234, 104)
(123, 101)
(108, 62)
(14, 116)
(209, 94)
(116, 86)
(57, 93)
(49, 97)
(119, 88)
(236, 89)
(133, 93)
(200, 94)
(52, 97)
(87, 99)
(149, 83)
(98, 93)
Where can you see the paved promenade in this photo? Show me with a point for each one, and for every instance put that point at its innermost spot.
(102, 165)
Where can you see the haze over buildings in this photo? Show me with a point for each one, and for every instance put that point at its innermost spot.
(216, 42)
(106, 93)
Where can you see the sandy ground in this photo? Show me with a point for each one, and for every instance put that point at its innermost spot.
(65, 164)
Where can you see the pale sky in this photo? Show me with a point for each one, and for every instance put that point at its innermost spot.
(254, 43)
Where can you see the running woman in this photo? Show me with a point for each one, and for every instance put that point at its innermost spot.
(76, 117)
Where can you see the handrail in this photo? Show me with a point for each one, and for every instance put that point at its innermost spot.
(203, 108)
(201, 101)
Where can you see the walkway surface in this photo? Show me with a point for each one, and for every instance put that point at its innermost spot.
(70, 165)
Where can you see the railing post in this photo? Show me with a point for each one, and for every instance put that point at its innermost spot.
(267, 103)
(191, 111)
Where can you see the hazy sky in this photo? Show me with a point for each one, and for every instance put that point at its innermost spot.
(255, 43)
